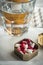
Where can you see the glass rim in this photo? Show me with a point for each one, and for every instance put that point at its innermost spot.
(6, 1)
(16, 11)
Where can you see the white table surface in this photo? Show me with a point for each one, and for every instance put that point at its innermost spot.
(7, 47)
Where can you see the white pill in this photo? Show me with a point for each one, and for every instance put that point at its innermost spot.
(33, 44)
(26, 46)
(17, 45)
(29, 50)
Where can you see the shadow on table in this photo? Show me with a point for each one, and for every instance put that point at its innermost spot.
(16, 58)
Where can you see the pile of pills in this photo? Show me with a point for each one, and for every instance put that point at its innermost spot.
(26, 46)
